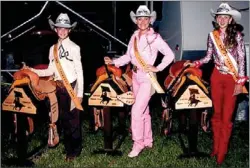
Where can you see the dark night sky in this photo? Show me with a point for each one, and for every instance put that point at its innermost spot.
(33, 49)
(14, 13)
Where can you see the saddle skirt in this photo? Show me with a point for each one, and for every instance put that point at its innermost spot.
(178, 74)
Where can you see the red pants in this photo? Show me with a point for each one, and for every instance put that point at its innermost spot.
(222, 88)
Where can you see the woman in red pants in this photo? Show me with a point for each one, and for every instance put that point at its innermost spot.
(225, 43)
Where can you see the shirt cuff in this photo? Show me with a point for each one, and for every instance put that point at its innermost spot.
(160, 67)
(114, 62)
(197, 64)
(242, 80)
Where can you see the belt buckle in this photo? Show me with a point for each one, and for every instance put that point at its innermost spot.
(135, 69)
(221, 70)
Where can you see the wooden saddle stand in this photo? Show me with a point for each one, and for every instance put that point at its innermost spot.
(27, 88)
(186, 92)
(111, 92)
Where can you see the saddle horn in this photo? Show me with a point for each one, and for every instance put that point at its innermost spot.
(24, 65)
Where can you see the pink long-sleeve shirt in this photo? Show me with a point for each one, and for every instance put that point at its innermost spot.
(148, 45)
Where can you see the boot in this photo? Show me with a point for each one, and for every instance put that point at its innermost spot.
(216, 136)
(224, 140)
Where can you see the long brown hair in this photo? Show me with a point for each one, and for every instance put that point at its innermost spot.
(232, 29)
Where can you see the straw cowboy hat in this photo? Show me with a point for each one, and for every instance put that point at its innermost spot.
(143, 11)
(225, 9)
(62, 21)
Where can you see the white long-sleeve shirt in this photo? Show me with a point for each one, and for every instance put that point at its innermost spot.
(70, 60)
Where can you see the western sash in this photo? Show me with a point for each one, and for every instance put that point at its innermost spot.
(151, 76)
(65, 80)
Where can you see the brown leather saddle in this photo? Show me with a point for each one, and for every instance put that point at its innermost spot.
(178, 74)
(122, 79)
(41, 88)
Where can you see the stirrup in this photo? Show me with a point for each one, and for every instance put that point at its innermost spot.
(53, 138)
(204, 123)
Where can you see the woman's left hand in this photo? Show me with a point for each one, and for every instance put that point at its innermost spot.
(238, 89)
(150, 68)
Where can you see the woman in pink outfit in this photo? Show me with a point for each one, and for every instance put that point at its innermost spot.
(148, 44)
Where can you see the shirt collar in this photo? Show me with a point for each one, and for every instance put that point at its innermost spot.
(65, 40)
(222, 34)
(149, 32)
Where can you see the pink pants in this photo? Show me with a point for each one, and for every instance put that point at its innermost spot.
(140, 116)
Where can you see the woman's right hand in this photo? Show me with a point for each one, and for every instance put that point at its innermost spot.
(189, 64)
(195, 64)
(107, 60)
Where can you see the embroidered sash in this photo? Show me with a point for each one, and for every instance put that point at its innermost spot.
(229, 60)
(151, 76)
(65, 80)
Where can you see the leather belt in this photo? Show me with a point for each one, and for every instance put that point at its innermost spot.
(223, 70)
(59, 83)
(136, 69)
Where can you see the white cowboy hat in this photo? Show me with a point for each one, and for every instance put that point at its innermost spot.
(225, 9)
(143, 11)
(62, 21)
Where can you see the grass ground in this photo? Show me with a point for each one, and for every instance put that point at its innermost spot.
(164, 153)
